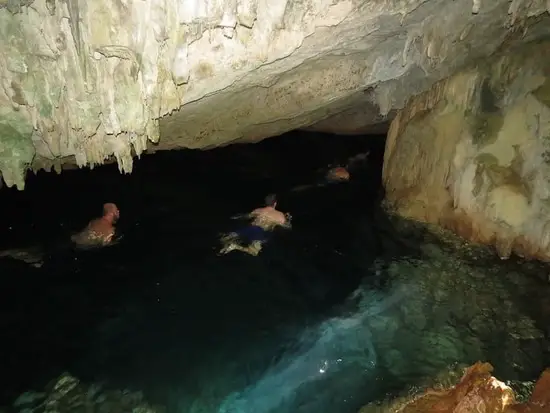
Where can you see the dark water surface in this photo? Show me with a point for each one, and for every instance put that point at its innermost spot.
(343, 309)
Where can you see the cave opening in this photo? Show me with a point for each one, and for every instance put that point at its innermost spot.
(347, 307)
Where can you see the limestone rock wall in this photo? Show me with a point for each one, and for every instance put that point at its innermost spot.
(473, 153)
(85, 81)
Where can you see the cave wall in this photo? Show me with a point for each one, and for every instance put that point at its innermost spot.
(86, 82)
(473, 153)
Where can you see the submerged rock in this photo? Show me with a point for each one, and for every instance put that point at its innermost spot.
(33, 256)
(68, 394)
(473, 154)
(476, 392)
(456, 304)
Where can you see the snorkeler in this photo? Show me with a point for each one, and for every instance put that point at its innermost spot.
(100, 231)
(251, 238)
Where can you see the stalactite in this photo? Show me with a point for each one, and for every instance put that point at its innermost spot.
(93, 79)
(247, 12)
(229, 19)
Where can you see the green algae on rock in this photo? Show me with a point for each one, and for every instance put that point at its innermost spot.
(100, 80)
(16, 154)
(484, 172)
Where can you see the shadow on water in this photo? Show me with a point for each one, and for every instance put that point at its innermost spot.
(348, 306)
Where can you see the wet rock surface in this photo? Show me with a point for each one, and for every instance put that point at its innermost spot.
(449, 305)
(477, 391)
(68, 394)
(32, 256)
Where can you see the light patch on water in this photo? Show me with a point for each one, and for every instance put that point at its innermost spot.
(440, 310)
(340, 344)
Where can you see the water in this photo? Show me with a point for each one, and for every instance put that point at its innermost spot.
(348, 307)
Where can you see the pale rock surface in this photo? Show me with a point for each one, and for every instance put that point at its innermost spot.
(84, 82)
(473, 153)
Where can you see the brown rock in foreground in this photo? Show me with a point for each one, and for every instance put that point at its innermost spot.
(540, 399)
(479, 392)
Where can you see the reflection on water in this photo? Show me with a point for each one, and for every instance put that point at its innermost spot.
(445, 307)
(346, 308)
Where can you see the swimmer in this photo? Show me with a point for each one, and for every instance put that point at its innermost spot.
(100, 231)
(342, 173)
(337, 174)
(251, 238)
(333, 175)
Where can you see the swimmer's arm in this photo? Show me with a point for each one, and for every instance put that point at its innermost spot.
(252, 214)
(242, 216)
(288, 222)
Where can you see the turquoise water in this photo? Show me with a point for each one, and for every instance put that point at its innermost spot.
(348, 307)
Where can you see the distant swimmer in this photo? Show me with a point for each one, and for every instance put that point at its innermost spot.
(332, 175)
(251, 238)
(100, 231)
(337, 174)
(342, 173)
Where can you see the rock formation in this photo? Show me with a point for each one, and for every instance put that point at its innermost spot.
(32, 256)
(473, 153)
(477, 392)
(85, 82)
(68, 394)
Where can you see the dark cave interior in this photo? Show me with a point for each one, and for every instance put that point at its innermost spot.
(161, 312)
(173, 201)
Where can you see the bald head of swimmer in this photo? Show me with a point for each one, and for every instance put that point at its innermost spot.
(111, 213)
